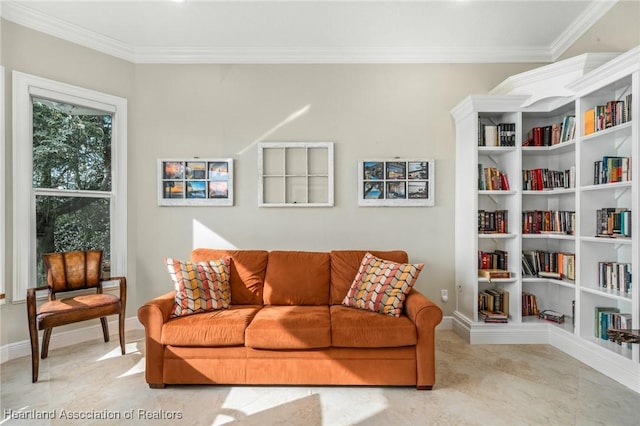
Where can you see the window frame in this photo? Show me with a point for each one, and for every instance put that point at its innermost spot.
(3, 234)
(25, 87)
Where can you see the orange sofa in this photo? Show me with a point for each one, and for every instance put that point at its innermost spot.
(287, 325)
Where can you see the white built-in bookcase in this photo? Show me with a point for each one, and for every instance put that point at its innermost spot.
(528, 101)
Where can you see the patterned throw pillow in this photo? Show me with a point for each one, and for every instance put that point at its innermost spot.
(200, 287)
(381, 285)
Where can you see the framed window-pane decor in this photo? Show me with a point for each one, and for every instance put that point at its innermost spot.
(195, 182)
(396, 182)
(295, 174)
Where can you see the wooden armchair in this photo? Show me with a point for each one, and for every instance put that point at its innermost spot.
(70, 271)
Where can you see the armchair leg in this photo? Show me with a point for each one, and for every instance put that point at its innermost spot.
(33, 335)
(45, 342)
(121, 331)
(105, 328)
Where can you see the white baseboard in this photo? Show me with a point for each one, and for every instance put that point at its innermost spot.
(65, 338)
(445, 324)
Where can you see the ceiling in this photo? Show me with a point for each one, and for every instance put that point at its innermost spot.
(267, 31)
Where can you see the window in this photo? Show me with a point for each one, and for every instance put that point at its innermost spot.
(2, 189)
(69, 174)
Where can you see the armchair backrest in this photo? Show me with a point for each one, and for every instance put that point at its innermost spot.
(73, 270)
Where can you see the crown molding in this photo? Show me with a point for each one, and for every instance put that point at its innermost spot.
(337, 55)
(580, 26)
(20, 13)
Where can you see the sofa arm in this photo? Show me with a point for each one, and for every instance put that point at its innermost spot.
(153, 315)
(426, 315)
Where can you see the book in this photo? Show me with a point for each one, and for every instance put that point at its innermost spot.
(493, 273)
(490, 135)
(493, 317)
(550, 315)
(549, 274)
(589, 121)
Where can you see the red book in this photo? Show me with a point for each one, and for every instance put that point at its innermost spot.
(537, 136)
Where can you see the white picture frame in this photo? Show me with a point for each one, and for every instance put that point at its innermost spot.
(295, 174)
(195, 182)
(396, 182)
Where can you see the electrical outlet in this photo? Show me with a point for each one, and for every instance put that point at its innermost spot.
(444, 295)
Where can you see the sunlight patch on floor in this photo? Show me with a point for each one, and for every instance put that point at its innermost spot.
(115, 352)
(322, 405)
(136, 369)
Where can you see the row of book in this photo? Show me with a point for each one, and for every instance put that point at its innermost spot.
(548, 222)
(493, 305)
(613, 222)
(612, 113)
(492, 179)
(611, 169)
(502, 134)
(552, 134)
(549, 264)
(492, 222)
(529, 305)
(541, 179)
(497, 259)
(607, 317)
(615, 276)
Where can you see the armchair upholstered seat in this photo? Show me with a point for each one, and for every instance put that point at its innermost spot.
(70, 271)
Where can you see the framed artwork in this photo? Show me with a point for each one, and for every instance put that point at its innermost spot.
(396, 182)
(195, 182)
(295, 174)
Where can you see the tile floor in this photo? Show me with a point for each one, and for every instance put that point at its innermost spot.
(476, 385)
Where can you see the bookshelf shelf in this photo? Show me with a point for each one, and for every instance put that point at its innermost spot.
(497, 236)
(605, 240)
(563, 283)
(610, 294)
(497, 280)
(621, 129)
(548, 237)
(549, 192)
(557, 148)
(613, 186)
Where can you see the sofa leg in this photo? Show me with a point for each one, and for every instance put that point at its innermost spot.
(424, 387)
(156, 385)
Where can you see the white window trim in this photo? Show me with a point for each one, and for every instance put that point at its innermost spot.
(3, 234)
(25, 86)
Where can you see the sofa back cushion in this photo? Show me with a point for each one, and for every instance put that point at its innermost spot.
(344, 267)
(246, 274)
(297, 278)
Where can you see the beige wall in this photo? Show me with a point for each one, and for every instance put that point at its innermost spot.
(34, 53)
(222, 110)
(368, 111)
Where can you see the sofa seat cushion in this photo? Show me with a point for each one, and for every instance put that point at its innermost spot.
(290, 327)
(216, 328)
(357, 328)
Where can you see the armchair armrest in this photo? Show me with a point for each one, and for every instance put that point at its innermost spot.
(31, 292)
(153, 315)
(426, 315)
(122, 281)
